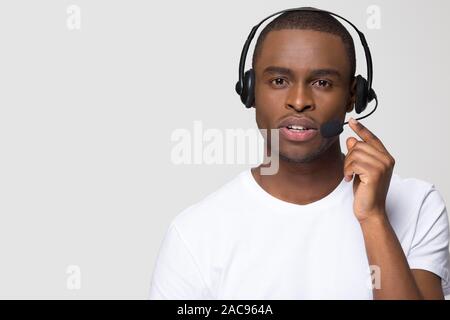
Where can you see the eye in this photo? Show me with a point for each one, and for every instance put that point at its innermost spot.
(278, 82)
(322, 83)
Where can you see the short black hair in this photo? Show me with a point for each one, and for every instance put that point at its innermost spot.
(309, 20)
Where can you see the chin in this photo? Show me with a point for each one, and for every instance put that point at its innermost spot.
(299, 157)
(304, 153)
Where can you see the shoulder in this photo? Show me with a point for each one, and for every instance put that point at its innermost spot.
(409, 190)
(409, 198)
(401, 187)
(213, 208)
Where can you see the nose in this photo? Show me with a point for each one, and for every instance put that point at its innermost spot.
(299, 98)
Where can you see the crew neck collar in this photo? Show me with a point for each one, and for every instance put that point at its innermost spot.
(263, 195)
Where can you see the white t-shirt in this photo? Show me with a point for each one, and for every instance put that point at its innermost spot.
(240, 242)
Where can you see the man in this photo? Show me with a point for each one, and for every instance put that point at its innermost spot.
(326, 225)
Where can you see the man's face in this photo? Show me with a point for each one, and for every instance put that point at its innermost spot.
(302, 73)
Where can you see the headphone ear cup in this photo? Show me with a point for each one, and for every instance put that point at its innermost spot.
(248, 91)
(361, 94)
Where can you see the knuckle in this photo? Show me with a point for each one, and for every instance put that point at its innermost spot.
(384, 167)
(357, 144)
(392, 161)
(349, 164)
(358, 152)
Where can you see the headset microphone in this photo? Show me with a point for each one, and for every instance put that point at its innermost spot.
(331, 128)
(335, 127)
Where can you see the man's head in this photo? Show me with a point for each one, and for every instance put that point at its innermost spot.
(304, 64)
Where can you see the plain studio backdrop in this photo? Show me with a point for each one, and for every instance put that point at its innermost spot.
(91, 92)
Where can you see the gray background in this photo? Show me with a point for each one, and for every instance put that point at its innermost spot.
(86, 118)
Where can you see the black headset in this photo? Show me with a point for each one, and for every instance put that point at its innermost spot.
(245, 87)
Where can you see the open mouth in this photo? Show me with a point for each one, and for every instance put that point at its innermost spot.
(298, 133)
(298, 128)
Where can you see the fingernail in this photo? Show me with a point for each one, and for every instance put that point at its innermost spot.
(353, 121)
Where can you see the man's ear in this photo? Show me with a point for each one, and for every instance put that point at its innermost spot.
(352, 96)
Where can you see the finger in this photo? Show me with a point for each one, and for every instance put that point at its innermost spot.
(361, 156)
(360, 145)
(362, 169)
(351, 142)
(366, 135)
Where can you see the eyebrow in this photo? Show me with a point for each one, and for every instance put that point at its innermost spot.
(278, 70)
(314, 73)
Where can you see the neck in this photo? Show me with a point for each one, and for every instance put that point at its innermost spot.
(303, 183)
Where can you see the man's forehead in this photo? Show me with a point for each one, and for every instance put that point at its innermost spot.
(299, 49)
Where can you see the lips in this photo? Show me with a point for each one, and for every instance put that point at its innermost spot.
(298, 135)
(295, 128)
(294, 122)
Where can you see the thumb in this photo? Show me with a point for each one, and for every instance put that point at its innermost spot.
(351, 142)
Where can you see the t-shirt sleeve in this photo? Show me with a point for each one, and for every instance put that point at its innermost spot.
(176, 275)
(430, 244)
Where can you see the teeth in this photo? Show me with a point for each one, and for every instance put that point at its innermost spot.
(297, 127)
